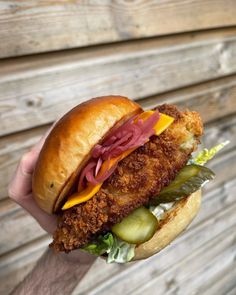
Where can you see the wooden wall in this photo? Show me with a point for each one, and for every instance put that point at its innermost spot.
(56, 54)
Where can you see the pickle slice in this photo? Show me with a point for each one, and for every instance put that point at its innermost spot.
(189, 180)
(136, 228)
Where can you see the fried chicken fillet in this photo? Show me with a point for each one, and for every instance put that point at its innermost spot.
(137, 178)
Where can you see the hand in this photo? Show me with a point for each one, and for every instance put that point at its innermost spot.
(20, 191)
(20, 188)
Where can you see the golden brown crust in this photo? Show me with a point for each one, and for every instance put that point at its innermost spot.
(137, 178)
(174, 222)
(67, 147)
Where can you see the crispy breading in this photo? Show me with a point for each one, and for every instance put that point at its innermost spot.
(138, 178)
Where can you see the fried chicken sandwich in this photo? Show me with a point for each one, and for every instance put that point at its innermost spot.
(122, 180)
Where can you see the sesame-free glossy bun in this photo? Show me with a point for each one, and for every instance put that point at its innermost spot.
(173, 223)
(68, 146)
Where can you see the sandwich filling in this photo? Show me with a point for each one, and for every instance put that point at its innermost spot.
(137, 178)
(137, 168)
(119, 144)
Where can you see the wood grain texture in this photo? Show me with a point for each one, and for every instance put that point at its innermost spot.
(12, 147)
(37, 90)
(215, 223)
(15, 265)
(18, 227)
(232, 291)
(218, 97)
(203, 230)
(164, 269)
(191, 272)
(33, 26)
(221, 283)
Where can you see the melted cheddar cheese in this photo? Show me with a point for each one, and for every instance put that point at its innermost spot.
(86, 194)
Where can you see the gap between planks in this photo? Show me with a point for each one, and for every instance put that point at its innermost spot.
(36, 90)
(90, 24)
(218, 96)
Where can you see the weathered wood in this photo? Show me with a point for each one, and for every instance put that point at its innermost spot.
(220, 164)
(15, 265)
(26, 225)
(32, 27)
(209, 204)
(224, 167)
(196, 235)
(190, 272)
(18, 228)
(219, 131)
(221, 283)
(30, 229)
(7, 207)
(13, 146)
(232, 291)
(218, 97)
(36, 90)
(11, 150)
(155, 266)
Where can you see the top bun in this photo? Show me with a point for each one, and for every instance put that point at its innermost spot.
(68, 146)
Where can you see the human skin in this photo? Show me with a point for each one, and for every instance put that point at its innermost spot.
(54, 273)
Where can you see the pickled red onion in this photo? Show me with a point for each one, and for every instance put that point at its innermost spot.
(132, 134)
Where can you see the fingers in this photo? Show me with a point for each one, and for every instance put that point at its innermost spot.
(20, 187)
(21, 183)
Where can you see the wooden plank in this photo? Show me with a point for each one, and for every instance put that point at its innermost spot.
(194, 272)
(218, 97)
(52, 25)
(190, 272)
(209, 204)
(221, 283)
(36, 90)
(13, 147)
(222, 265)
(25, 224)
(219, 131)
(7, 207)
(187, 243)
(224, 167)
(213, 203)
(18, 228)
(199, 235)
(23, 255)
(15, 265)
(11, 150)
(232, 291)
(126, 281)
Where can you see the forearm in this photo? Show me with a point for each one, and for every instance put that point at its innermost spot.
(56, 274)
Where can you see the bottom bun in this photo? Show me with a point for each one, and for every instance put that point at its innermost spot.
(173, 223)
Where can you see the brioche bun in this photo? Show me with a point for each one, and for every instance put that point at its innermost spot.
(68, 146)
(173, 223)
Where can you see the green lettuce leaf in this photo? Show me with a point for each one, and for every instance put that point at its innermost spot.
(121, 252)
(102, 245)
(118, 251)
(205, 155)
